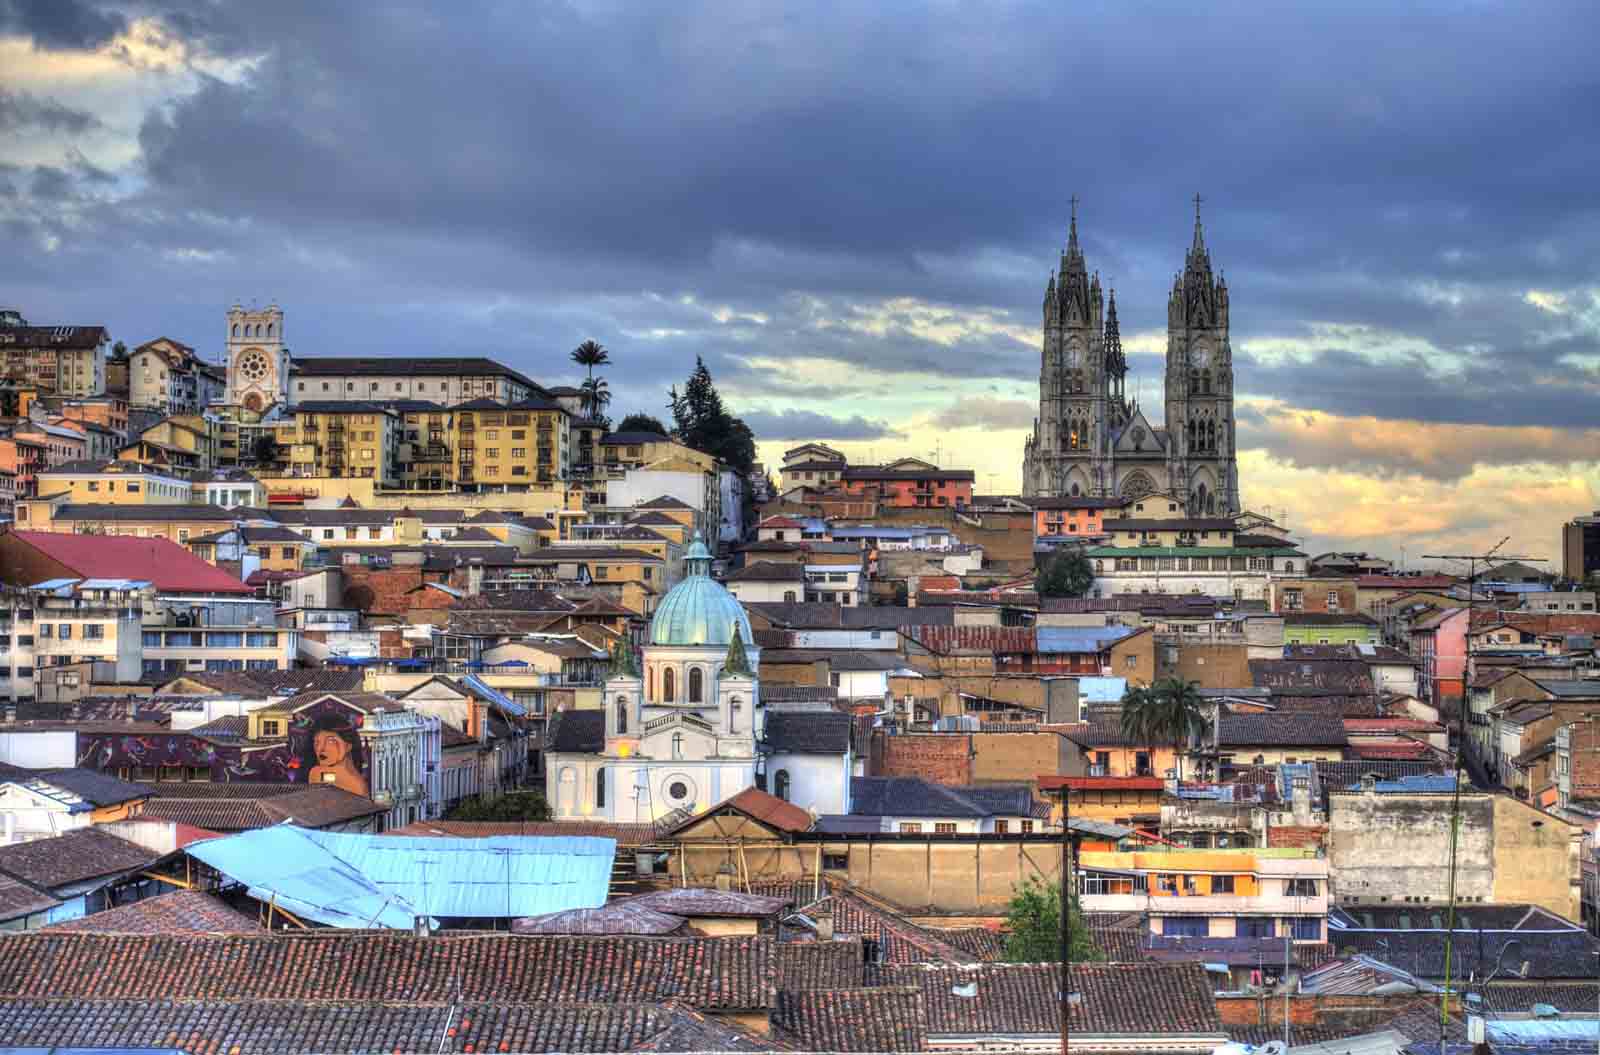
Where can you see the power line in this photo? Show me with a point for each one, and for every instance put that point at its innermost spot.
(1472, 560)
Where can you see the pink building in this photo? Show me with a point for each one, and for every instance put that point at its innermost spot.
(1439, 644)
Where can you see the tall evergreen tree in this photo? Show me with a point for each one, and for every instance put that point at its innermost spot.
(702, 421)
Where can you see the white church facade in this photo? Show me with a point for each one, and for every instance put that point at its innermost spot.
(684, 726)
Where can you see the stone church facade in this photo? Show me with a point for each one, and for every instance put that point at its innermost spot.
(1090, 439)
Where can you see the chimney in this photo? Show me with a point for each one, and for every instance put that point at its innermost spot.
(824, 918)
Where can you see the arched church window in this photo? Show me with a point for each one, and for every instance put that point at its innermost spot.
(677, 745)
(1074, 490)
(269, 328)
(622, 715)
(780, 784)
(1205, 382)
(697, 686)
(668, 686)
(236, 329)
(650, 683)
(1072, 436)
(600, 788)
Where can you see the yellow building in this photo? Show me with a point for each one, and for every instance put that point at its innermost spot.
(189, 442)
(340, 438)
(427, 447)
(517, 446)
(176, 522)
(115, 483)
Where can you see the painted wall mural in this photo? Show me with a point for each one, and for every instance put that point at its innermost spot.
(323, 747)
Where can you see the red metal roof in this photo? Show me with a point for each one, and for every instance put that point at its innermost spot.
(1403, 751)
(946, 640)
(1056, 783)
(167, 565)
(1391, 725)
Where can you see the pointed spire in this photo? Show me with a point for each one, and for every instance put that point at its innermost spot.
(1116, 363)
(1072, 229)
(737, 661)
(1199, 236)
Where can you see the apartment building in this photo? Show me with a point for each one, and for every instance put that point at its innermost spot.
(67, 622)
(910, 483)
(115, 482)
(202, 632)
(63, 360)
(1252, 893)
(335, 438)
(175, 522)
(427, 446)
(190, 442)
(167, 376)
(1155, 548)
(447, 381)
(1071, 519)
(24, 459)
(517, 446)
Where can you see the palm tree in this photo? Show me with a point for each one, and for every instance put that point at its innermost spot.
(595, 395)
(1169, 712)
(589, 355)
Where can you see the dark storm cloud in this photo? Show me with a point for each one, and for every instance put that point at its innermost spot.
(810, 425)
(514, 179)
(60, 24)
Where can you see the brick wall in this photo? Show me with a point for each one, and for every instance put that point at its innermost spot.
(1286, 835)
(944, 758)
(387, 590)
(1329, 1012)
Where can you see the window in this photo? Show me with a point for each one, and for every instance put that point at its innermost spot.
(780, 784)
(1222, 884)
(45, 631)
(1001, 827)
(94, 632)
(600, 788)
(677, 790)
(1027, 827)
(836, 862)
(944, 828)
(1333, 600)
(271, 728)
(1254, 927)
(622, 715)
(1131, 662)
(912, 828)
(697, 685)
(1185, 926)
(677, 745)
(1306, 928)
(1141, 764)
(1300, 888)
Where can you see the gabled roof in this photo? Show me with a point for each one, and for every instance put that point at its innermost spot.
(808, 732)
(881, 1019)
(759, 806)
(660, 501)
(167, 565)
(577, 732)
(408, 366)
(1290, 729)
(73, 857)
(179, 912)
(915, 797)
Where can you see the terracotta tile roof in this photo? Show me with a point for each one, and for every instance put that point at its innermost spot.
(310, 807)
(717, 974)
(757, 805)
(1397, 751)
(948, 640)
(167, 565)
(616, 918)
(1121, 936)
(883, 1019)
(76, 856)
(699, 901)
(898, 940)
(182, 911)
(837, 964)
(1293, 728)
(982, 944)
(1391, 725)
(1024, 997)
(18, 899)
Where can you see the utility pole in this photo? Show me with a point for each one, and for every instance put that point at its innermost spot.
(1066, 913)
(1472, 560)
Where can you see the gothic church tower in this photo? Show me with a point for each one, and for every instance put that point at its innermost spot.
(1202, 461)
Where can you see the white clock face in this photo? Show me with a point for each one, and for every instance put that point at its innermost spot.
(254, 365)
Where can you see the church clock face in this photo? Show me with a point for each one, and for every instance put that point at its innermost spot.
(254, 366)
(1200, 355)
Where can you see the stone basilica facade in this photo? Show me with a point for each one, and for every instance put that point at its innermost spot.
(1090, 439)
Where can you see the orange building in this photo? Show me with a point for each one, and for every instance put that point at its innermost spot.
(1076, 516)
(909, 483)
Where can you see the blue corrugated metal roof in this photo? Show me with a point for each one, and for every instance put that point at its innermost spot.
(502, 877)
(493, 694)
(1102, 690)
(1430, 782)
(1080, 638)
(349, 880)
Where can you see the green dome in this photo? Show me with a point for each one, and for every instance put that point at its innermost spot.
(699, 610)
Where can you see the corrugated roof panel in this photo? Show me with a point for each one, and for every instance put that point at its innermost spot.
(482, 878)
(1080, 638)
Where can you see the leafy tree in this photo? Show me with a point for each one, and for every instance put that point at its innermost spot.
(1068, 574)
(589, 355)
(119, 350)
(642, 423)
(1169, 712)
(596, 394)
(512, 806)
(1033, 927)
(703, 422)
(265, 449)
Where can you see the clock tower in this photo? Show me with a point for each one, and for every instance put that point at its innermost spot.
(258, 363)
(1201, 451)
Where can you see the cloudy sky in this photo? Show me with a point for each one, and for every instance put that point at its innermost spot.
(851, 210)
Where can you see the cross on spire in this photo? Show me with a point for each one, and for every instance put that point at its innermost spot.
(1199, 239)
(1072, 230)
(1197, 201)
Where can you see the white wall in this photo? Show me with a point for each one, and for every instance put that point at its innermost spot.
(39, 748)
(753, 591)
(816, 782)
(863, 684)
(847, 639)
(642, 485)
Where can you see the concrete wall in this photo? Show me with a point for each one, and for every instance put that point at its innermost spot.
(1397, 846)
(1018, 757)
(1212, 666)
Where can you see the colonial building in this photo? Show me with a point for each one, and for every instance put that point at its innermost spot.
(258, 362)
(1090, 439)
(687, 729)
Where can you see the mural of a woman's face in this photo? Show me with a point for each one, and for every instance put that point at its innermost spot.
(331, 749)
